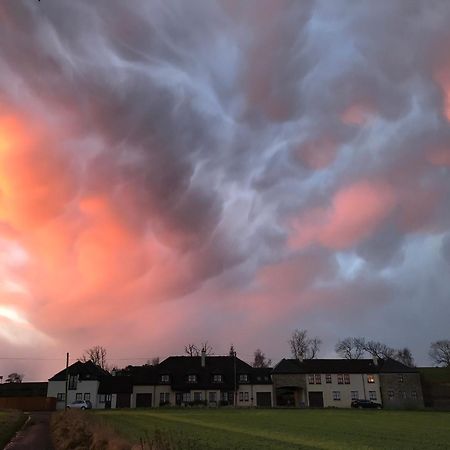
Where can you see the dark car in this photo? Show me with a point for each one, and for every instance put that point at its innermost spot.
(365, 404)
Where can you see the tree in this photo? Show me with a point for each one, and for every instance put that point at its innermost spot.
(350, 348)
(191, 350)
(261, 360)
(155, 361)
(232, 351)
(405, 357)
(97, 355)
(378, 350)
(14, 378)
(440, 352)
(303, 347)
(194, 350)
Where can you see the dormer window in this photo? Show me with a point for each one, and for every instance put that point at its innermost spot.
(217, 379)
(243, 378)
(192, 378)
(165, 379)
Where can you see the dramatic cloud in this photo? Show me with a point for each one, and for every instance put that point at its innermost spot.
(222, 170)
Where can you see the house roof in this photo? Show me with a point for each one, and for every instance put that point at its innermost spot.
(23, 389)
(286, 366)
(141, 375)
(116, 385)
(179, 367)
(85, 371)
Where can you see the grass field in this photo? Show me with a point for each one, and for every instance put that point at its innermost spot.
(10, 422)
(286, 429)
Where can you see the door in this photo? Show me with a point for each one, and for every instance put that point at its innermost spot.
(264, 399)
(143, 400)
(123, 401)
(315, 399)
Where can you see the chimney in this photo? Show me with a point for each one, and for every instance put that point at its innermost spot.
(203, 357)
(375, 360)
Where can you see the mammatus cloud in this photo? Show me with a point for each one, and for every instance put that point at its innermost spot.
(223, 170)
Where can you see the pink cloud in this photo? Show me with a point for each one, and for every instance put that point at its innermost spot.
(354, 214)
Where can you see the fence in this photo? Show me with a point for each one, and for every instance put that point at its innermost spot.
(28, 403)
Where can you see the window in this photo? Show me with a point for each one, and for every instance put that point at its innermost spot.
(198, 397)
(336, 395)
(318, 378)
(328, 378)
(73, 382)
(371, 379)
(241, 396)
(372, 395)
(225, 396)
(404, 394)
(164, 378)
(192, 378)
(212, 397)
(414, 395)
(87, 396)
(401, 378)
(391, 395)
(347, 378)
(246, 397)
(186, 397)
(61, 396)
(311, 379)
(108, 397)
(355, 395)
(340, 378)
(101, 398)
(217, 379)
(243, 378)
(164, 397)
(79, 396)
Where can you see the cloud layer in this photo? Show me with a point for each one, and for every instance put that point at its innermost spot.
(223, 170)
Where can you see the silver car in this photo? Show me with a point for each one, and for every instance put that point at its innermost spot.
(80, 404)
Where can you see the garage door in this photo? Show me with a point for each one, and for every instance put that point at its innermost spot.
(315, 399)
(143, 400)
(264, 399)
(123, 401)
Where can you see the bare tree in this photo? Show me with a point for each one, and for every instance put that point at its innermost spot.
(261, 360)
(303, 347)
(97, 355)
(191, 350)
(404, 356)
(14, 378)
(194, 350)
(440, 352)
(379, 350)
(350, 348)
(207, 348)
(155, 361)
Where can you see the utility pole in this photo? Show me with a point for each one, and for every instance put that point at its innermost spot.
(67, 380)
(235, 391)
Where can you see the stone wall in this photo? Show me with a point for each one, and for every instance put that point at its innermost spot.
(401, 390)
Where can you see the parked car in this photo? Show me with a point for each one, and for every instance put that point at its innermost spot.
(80, 404)
(365, 404)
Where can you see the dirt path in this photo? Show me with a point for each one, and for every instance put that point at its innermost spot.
(35, 436)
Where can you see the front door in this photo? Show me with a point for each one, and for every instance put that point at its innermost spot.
(123, 401)
(315, 399)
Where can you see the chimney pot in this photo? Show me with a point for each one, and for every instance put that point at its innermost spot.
(203, 358)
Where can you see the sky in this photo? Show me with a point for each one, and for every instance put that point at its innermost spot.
(222, 170)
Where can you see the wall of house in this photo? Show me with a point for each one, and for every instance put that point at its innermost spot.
(358, 382)
(87, 386)
(401, 390)
(147, 389)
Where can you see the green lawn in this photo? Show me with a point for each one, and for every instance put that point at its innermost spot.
(10, 422)
(286, 429)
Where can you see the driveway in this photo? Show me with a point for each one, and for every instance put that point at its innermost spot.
(35, 436)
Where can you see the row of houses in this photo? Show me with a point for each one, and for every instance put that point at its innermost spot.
(227, 380)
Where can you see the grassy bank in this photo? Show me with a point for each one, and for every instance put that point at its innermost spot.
(285, 429)
(10, 422)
